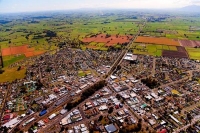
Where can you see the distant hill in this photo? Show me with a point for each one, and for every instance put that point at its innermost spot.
(191, 8)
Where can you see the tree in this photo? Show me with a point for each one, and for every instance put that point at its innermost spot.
(62, 129)
(19, 68)
(100, 118)
(1, 71)
(50, 33)
(110, 110)
(23, 89)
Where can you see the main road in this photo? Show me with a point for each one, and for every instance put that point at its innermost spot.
(123, 53)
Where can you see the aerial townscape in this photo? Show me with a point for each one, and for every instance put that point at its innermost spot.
(100, 70)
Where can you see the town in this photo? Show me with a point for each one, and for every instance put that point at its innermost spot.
(99, 71)
(143, 93)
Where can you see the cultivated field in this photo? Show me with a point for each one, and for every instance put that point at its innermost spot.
(189, 43)
(108, 41)
(18, 50)
(194, 53)
(180, 53)
(181, 27)
(151, 49)
(157, 40)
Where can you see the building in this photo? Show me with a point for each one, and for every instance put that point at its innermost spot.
(110, 128)
(130, 57)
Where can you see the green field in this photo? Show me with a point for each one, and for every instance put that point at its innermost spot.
(8, 60)
(12, 74)
(74, 27)
(194, 53)
(150, 49)
(175, 27)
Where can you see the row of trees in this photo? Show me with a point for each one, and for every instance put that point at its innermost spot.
(87, 93)
(132, 128)
(151, 83)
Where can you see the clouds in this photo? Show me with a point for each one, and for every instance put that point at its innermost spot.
(42, 5)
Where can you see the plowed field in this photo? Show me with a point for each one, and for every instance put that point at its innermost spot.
(157, 40)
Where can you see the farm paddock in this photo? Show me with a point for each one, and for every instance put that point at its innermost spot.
(108, 40)
(157, 40)
(18, 50)
(181, 53)
(189, 43)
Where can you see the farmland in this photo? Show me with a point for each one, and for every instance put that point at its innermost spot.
(157, 40)
(31, 31)
(189, 43)
(174, 27)
(151, 49)
(40, 33)
(194, 53)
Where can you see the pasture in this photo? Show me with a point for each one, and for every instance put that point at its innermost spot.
(151, 49)
(181, 27)
(194, 53)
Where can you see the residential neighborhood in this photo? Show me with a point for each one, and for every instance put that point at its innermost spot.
(143, 93)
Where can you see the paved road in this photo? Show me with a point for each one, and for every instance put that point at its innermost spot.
(7, 95)
(154, 67)
(123, 53)
(186, 126)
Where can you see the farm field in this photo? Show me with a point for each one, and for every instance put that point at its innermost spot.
(90, 30)
(8, 60)
(109, 40)
(9, 72)
(182, 27)
(189, 43)
(194, 53)
(157, 40)
(32, 31)
(151, 49)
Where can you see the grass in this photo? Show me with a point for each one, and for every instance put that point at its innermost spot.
(151, 49)
(83, 73)
(8, 60)
(12, 74)
(194, 53)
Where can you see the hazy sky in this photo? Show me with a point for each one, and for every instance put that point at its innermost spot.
(44, 5)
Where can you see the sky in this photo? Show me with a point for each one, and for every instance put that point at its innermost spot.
(45, 5)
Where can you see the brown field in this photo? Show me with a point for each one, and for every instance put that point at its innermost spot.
(101, 38)
(157, 40)
(181, 53)
(28, 52)
(14, 50)
(189, 43)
